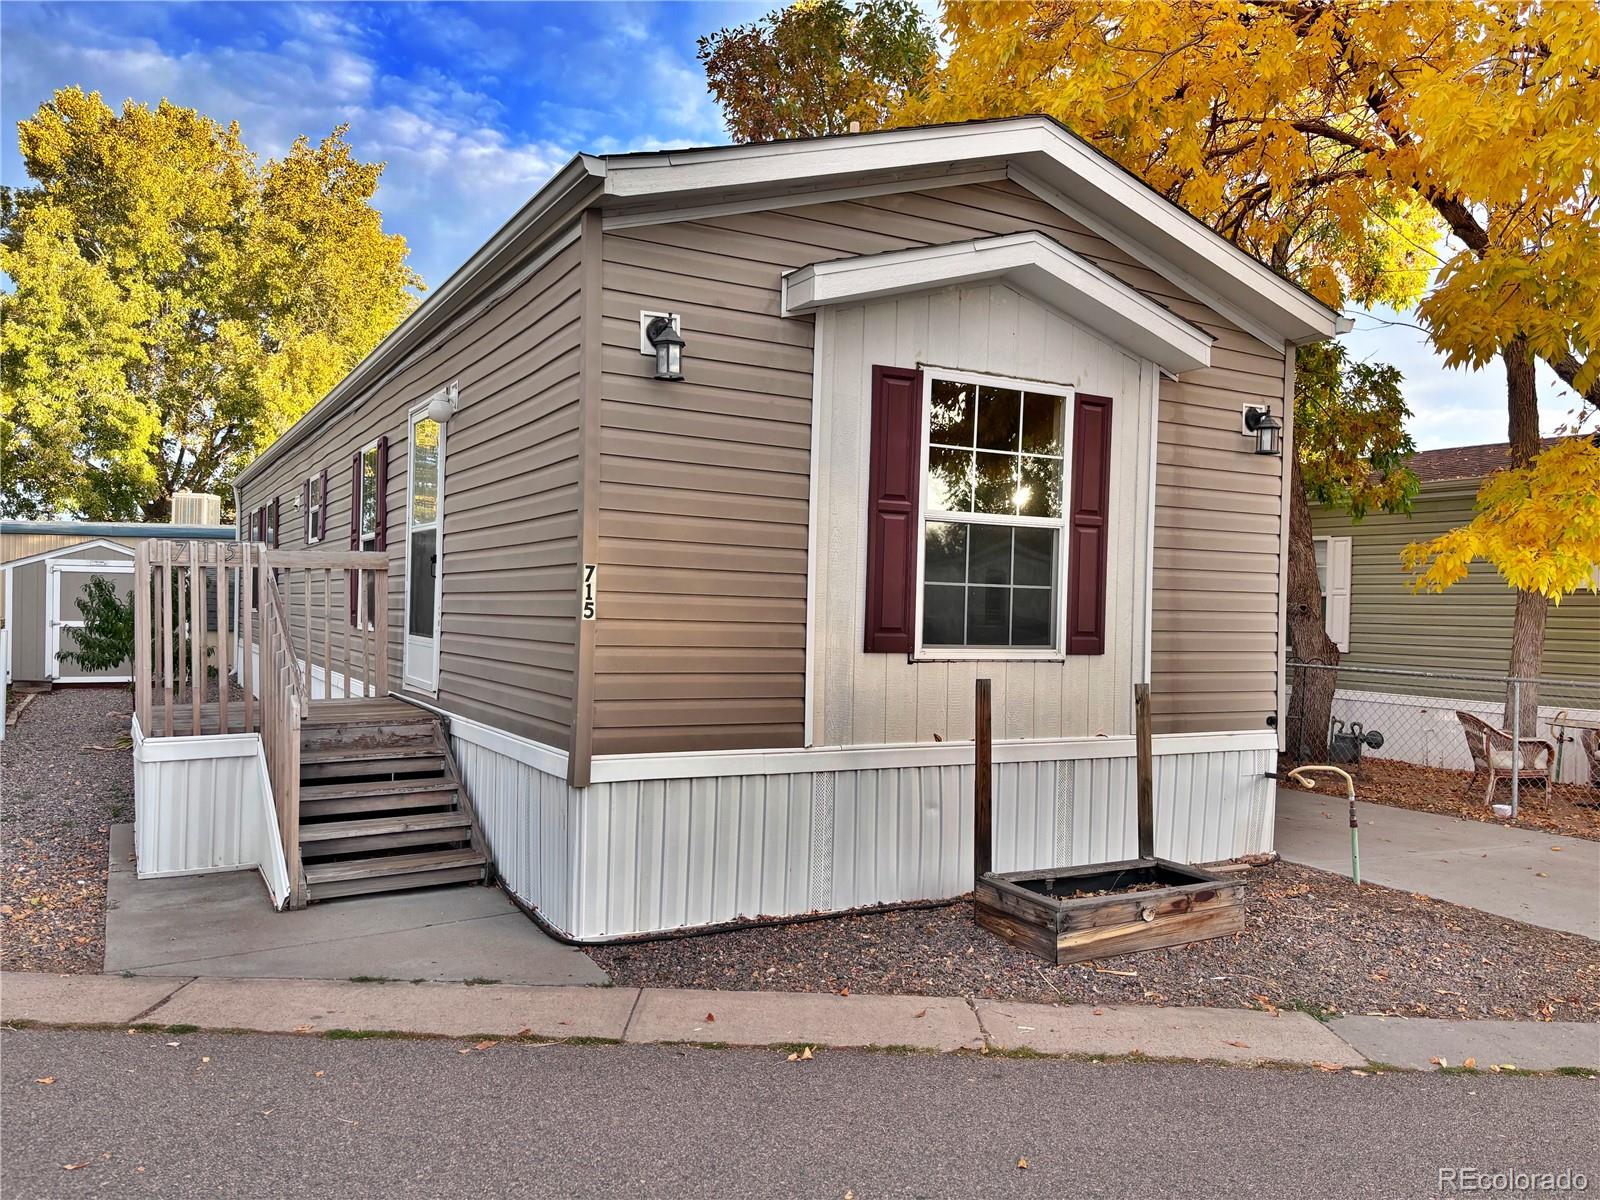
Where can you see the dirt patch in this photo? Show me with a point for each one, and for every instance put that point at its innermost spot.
(1312, 941)
(66, 774)
(1568, 809)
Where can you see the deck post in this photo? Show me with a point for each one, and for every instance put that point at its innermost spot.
(197, 632)
(247, 669)
(1146, 770)
(223, 687)
(166, 636)
(381, 639)
(982, 785)
(142, 680)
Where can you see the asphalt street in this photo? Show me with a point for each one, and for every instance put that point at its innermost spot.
(250, 1115)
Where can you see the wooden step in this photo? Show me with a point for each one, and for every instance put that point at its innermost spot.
(384, 767)
(330, 737)
(376, 834)
(325, 880)
(346, 789)
(420, 748)
(438, 794)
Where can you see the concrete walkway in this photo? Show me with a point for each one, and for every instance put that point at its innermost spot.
(1526, 875)
(224, 925)
(786, 1019)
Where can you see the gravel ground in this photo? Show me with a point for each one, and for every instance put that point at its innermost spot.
(1568, 809)
(1311, 941)
(65, 775)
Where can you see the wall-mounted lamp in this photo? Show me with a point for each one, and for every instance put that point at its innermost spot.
(666, 343)
(1268, 430)
(443, 406)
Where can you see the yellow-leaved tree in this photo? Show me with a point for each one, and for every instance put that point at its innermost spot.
(175, 303)
(1481, 119)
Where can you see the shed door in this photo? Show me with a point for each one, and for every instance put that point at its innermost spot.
(68, 581)
(424, 550)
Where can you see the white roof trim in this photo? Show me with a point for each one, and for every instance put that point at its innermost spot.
(1038, 145)
(75, 548)
(1033, 262)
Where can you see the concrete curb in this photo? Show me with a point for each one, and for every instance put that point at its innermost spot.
(786, 1019)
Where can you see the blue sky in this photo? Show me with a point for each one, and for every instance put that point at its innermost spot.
(473, 106)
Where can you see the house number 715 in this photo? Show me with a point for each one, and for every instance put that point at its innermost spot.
(590, 571)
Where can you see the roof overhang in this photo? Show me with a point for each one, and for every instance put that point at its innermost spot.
(1032, 262)
(1040, 147)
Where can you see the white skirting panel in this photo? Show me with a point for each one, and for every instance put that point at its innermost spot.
(643, 856)
(204, 804)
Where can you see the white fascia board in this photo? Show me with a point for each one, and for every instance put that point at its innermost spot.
(1032, 261)
(1036, 144)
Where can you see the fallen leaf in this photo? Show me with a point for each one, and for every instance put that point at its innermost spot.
(74, 1166)
(844, 991)
(319, 1074)
(1327, 1066)
(805, 1054)
(1555, 849)
(1542, 874)
(1022, 1164)
(485, 1044)
(921, 1012)
(1099, 1012)
(172, 1043)
(47, 1080)
(1240, 1045)
(795, 1057)
(710, 1018)
(1363, 1074)
(1470, 1063)
(203, 1058)
(302, 1029)
(525, 1033)
(1439, 1062)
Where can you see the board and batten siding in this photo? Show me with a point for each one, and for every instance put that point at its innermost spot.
(704, 484)
(874, 699)
(1466, 628)
(509, 546)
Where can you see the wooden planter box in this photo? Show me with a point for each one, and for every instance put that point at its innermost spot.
(1072, 914)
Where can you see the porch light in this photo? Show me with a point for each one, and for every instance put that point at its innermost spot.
(443, 406)
(668, 345)
(1267, 428)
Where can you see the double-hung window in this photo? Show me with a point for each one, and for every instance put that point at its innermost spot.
(314, 510)
(993, 516)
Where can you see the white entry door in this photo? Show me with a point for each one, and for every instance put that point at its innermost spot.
(424, 547)
(68, 581)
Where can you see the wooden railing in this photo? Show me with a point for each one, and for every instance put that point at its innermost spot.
(199, 612)
(284, 701)
(222, 611)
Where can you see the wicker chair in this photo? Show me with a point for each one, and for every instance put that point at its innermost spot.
(1492, 754)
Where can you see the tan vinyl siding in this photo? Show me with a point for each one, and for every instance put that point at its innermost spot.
(705, 484)
(1466, 628)
(509, 549)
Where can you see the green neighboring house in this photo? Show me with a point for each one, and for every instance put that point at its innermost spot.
(1379, 622)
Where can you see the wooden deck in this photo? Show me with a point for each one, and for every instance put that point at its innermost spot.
(323, 713)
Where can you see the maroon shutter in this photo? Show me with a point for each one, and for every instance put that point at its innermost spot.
(896, 469)
(275, 525)
(355, 529)
(305, 507)
(383, 493)
(322, 517)
(1088, 532)
(261, 524)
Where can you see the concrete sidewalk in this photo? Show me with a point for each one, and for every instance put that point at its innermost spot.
(1516, 873)
(786, 1019)
(222, 925)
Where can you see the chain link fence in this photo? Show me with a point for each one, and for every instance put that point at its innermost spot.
(1453, 736)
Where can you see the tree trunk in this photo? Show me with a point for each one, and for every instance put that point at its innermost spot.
(1527, 627)
(1309, 714)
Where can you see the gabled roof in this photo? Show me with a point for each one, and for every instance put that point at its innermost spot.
(1038, 152)
(1033, 262)
(1465, 462)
